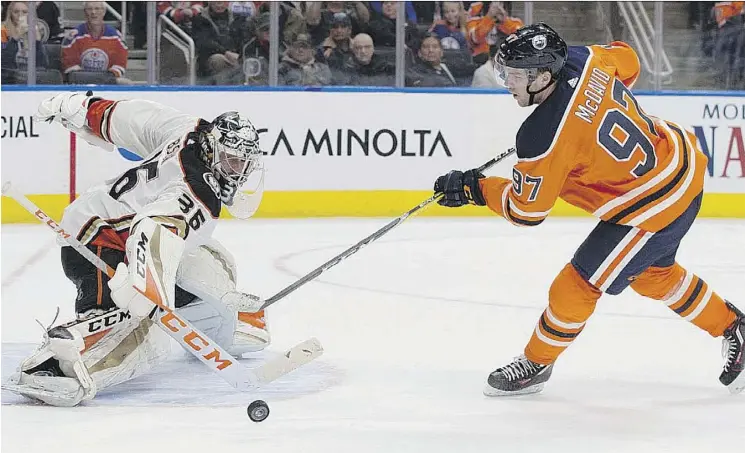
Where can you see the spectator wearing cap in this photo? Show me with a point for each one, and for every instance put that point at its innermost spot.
(255, 49)
(257, 44)
(299, 68)
(429, 70)
(336, 49)
(255, 54)
(366, 67)
(320, 20)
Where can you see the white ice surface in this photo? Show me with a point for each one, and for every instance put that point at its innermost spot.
(411, 325)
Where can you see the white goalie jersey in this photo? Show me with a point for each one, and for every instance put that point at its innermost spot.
(172, 185)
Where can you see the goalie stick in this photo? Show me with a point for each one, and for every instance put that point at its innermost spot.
(373, 237)
(181, 330)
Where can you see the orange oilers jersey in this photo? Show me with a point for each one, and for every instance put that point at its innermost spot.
(81, 51)
(591, 144)
(482, 30)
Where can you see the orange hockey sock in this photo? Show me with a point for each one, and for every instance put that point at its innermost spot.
(687, 295)
(571, 302)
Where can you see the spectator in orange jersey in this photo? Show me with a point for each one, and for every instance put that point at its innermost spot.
(487, 25)
(590, 143)
(95, 47)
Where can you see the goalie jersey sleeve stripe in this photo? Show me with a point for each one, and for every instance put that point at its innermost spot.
(99, 118)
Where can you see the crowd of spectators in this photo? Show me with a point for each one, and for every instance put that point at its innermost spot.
(447, 43)
(320, 43)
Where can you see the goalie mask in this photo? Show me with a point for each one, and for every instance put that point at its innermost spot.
(230, 148)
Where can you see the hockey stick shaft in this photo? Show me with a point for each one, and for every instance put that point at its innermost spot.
(181, 330)
(373, 237)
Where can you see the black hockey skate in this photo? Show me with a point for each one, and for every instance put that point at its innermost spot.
(733, 351)
(520, 377)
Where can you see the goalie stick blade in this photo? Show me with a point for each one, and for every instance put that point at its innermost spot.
(303, 353)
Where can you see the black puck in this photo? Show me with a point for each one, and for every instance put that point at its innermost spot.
(258, 411)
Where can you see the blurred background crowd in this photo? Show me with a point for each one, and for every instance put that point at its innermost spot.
(412, 44)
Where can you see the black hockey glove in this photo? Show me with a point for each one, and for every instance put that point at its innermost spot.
(460, 189)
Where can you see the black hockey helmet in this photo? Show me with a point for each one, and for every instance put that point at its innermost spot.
(535, 46)
(528, 51)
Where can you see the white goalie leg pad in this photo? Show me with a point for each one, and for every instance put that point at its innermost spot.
(154, 255)
(39, 382)
(126, 351)
(209, 272)
(116, 347)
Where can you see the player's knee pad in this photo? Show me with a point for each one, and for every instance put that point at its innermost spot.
(571, 297)
(659, 282)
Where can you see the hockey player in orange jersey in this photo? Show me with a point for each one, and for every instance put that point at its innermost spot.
(590, 143)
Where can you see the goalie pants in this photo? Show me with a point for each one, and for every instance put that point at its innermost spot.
(609, 260)
(92, 284)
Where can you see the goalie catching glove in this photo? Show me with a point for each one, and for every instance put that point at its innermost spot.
(460, 188)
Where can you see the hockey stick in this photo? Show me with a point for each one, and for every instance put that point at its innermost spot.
(373, 237)
(181, 330)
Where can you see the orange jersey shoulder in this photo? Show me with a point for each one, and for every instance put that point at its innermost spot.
(591, 144)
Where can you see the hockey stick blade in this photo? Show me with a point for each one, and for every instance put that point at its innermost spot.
(303, 353)
(373, 237)
(189, 337)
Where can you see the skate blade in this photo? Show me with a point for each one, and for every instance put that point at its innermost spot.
(738, 385)
(491, 391)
